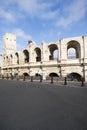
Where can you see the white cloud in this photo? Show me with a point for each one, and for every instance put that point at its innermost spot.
(44, 9)
(63, 16)
(49, 14)
(28, 6)
(73, 13)
(21, 34)
(33, 8)
(6, 15)
(36, 8)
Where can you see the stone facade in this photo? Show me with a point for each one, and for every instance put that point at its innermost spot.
(65, 57)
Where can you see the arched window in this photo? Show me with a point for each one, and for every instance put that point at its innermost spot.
(4, 60)
(26, 56)
(74, 76)
(53, 52)
(73, 50)
(71, 53)
(53, 75)
(7, 62)
(37, 76)
(11, 56)
(25, 74)
(38, 54)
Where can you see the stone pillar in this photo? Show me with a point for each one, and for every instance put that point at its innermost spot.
(45, 52)
(63, 50)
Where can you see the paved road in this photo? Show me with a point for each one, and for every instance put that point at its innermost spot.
(38, 106)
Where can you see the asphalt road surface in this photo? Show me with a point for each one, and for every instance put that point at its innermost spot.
(39, 106)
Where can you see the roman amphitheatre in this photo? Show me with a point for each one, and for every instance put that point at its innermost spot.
(47, 59)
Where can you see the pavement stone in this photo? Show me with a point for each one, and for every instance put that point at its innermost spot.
(42, 106)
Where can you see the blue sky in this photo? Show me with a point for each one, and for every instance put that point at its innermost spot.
(42, 20)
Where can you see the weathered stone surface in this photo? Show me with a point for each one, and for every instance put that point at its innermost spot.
(63, 57)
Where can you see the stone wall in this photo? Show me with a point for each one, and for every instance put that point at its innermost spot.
(56, 58)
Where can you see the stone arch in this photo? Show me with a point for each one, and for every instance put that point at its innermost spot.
(53, 74)
(17, 58)
(25, 74)
(26, 56)
(4, 60)
(37, 74)
(7, 60)
(74, 76)
(53, 52)
(73, 46)
(71, 53)
(38, 54)
(11, 56)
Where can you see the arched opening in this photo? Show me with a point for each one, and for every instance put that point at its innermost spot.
(37, 75)
(11, 58)
(38, 54)
(25, 74)
(26, 56)
(53, 52)
(17, 58)
(53, 75)
(7, 61)
(74, 77)
(71, 53)
(4, 60)
(73, 50)
(7, 57)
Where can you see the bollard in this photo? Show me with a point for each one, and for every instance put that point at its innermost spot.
(12, 77)
(17, 77)
(24, 78)
(7, 76)
(2, 77)
(31, 78)
(51, 79)
(40, 78)
(82, 83)
(65, 81)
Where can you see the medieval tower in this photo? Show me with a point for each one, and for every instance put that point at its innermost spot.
(9, 43)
